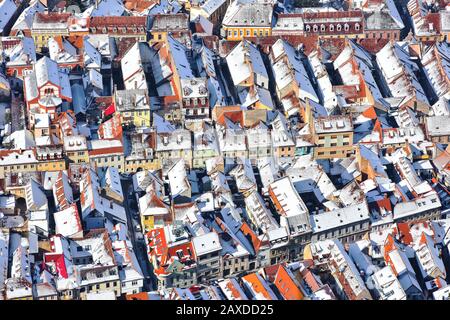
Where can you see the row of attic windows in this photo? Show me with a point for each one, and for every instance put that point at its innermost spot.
(331, 27)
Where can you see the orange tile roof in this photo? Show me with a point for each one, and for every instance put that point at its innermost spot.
(137, 296)
(286, 285)
(256, 285)
(370, 113)
(248, 232)
(403, 229)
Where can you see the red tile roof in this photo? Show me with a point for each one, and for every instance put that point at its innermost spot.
(118, 21)
(373, 46)
(333, 14)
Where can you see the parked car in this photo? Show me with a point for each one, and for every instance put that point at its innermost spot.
(138, 228)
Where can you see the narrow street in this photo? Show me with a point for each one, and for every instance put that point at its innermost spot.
(17, 112)
(138, 243)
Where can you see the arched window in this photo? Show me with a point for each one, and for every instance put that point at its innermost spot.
(357, 27)
(339, 27)
(315, 28)
(322, 27)
(331, 27)
(346, 27)
(308, 28)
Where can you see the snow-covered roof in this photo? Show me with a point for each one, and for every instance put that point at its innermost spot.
(438, 125)
(178, 180)
(206, 243)
(288, 67)
(7, 8)
(106, 8)
(68, 222)
(411, 208)
(244, 60)
(399, 71)
(35, 196)
(231, 289)
(248, 13)
(257, 209)
(25, 20)
(333, 124)
(21, 139)
(295, 215)
(75, 143)
(4, 244)
(176, 140)
(388, 285)
(340, 217)
(179, 56)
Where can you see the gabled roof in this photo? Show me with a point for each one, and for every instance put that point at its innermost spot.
(245, 13)
(46, 71)
(258, 287)
(62, 191)
(68, 222)
(244, 60)
(287, 285)
(7, 8)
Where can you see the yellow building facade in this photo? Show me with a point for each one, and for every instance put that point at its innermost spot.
(237, 33)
